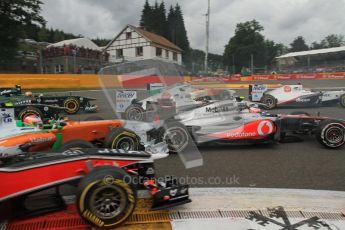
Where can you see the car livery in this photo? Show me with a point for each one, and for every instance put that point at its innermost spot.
(71, 104)
(175, 99)
(105, 197)
(16, 137)
(295, 96)
(242, 122)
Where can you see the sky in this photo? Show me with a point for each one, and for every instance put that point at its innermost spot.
(283, 20)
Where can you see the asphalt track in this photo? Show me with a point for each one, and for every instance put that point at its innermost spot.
(299, 165)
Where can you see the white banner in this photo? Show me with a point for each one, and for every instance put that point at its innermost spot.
(123, 99)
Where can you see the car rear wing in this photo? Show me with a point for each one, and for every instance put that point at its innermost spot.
(256, 92)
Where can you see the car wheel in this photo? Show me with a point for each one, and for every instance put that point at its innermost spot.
(122, 139)
(331, 134)
(71, 105)
(94, 118)
(135, 113)
(342, 100)
(28, 111)
(76, 145)
(176, 136)
(105, 198)
(269, 101)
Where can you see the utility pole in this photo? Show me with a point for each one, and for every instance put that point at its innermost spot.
(252, 64)
(207, 34)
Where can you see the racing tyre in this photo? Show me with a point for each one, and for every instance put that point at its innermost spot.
(105, 198)
(269, 101)
(135, 112)
(94, 118)
(331, 134)
(300, 113)
(72, 105)
(342, 100)
(28, 111)
(176, 136)
(76, 145)
(122, 139)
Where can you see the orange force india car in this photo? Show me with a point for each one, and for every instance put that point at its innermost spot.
(16, 137)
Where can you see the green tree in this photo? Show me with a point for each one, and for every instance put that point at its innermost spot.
(162, 19)
(171, 22)
(178, 33)
(146, 16)
(153, 18)
(247, 41)
(298, 44)
(332, 40)
(181, 38)
(15, 16)
(43, 34)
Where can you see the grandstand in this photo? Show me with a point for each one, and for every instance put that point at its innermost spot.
(320, 60)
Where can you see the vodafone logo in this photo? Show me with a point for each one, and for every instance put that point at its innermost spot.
(287, 89)
(265, 128)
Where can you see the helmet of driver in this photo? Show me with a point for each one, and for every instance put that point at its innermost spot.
(33, 120)
(28, 94)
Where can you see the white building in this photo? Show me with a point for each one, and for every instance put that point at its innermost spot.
(133, 44)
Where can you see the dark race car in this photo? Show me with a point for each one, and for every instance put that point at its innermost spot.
(71, 103)
(234, 122)
(11, 91)
(107, 181)
(23, 110)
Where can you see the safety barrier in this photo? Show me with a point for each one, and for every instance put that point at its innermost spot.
(70, 81)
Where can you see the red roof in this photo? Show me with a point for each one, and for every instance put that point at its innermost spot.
(157, 39)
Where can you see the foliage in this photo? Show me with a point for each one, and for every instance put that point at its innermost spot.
(171, 26)
(332, 40)
(101, 41)
(249, 42)
(298, 44)
(16, 16)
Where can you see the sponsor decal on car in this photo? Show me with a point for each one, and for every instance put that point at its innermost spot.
(217, 109)
(241, 134)
(51, 100)
(303, 100)
(7, 117)
(22, 102)
(39, 140)
(265, 128)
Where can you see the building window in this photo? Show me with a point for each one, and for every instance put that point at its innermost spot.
(119, 53)
(158, 52)
(166, 54)
(128, 35)
(175, 56)
(139, 51)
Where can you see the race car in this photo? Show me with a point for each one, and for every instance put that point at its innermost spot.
(17, 90)
(295, 96)
(71, 104)
(107, 182)
(174, 99)
(241, 122)
(17, 137)
(22, 110)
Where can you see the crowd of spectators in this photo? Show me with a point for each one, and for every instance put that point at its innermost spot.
(71, 50)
